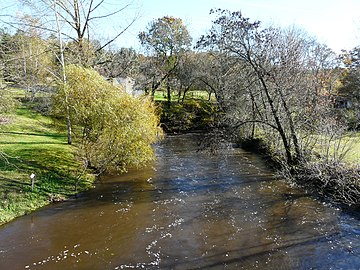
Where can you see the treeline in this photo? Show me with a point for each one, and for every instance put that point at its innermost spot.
(277, 87)
(53, 57)
(32, 60)
(286, 92)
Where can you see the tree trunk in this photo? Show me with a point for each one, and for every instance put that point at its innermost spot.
(68, 125)
(179, 94)
(168, 92)
(185, 92)
(62, 61)
(292, 129)
(280, 128)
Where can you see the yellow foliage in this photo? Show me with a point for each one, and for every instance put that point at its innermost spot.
(117, 129)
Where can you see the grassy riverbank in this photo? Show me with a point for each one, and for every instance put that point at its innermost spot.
(188, 116)
(30, 144)
(329, 174)
(353, 154)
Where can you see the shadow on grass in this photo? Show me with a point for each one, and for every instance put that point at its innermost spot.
(23, 143)
(46, 183)
(8, 185)
(32, 144)
(51, 135)
(55, 173)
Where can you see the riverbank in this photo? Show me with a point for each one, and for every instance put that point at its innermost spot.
(337, 182)
(187, 116)
(30, 144)
(190, 210)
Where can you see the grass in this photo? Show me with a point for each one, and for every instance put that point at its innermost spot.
(30, 144)
(348, 147)
(353, 154)
(161, 95)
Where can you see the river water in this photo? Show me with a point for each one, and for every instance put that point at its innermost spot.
(190, 210)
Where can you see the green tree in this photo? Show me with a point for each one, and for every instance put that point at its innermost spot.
(166, 40)
(115, 130)
(74, 20)
(26, 57)
(348, 98)
(6, 46)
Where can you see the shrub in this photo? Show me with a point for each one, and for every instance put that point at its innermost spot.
(114, 130)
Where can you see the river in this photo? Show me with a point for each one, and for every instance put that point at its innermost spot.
(190, 210)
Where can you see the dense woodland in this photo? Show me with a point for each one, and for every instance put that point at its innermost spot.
(277, 90)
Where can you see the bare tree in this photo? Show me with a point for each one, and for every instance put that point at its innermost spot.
(279, 86)
(186, 74)
(73, 22)
(120, 63)
(271, 73)
(78, 21)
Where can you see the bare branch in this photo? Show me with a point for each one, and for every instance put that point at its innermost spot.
(109, 14)
(118, 35)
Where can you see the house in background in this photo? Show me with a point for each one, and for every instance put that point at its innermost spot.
(128, 84)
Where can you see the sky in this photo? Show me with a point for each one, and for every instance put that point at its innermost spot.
(333, 22)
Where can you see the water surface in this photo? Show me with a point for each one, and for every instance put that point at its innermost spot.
(190, 210)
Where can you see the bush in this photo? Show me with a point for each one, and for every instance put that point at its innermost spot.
(115, 130)
(188, 116)
(8, 103)
(338, 181)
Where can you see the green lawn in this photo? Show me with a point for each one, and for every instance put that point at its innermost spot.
(30, 144)
(161, 95)
(347, 147)
(353, 154)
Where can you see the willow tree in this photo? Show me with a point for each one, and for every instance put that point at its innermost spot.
(166, 39)
(74, 23)
(114, 130)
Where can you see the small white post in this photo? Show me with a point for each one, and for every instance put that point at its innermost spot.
(32, 177)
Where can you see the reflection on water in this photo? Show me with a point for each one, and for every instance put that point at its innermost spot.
(190, 210)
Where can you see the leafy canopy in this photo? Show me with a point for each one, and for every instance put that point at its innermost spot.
(117, 130)
(166, 36)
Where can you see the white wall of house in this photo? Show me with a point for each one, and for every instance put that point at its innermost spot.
(128, 84)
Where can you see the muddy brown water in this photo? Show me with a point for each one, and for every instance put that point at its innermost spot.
(190, 210)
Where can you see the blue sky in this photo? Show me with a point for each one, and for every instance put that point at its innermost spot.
(334, 22)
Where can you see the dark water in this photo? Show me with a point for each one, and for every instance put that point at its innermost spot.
(190, 211)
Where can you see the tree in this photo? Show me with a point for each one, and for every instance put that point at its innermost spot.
(72, 22)
(7, 105)
(166, 40)
(120, 63)
(212, 71)
(6, 45)
(279, 86)
(348, 96)
(117, 130)
(186, 74)
(272, 80)
(76, 20)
